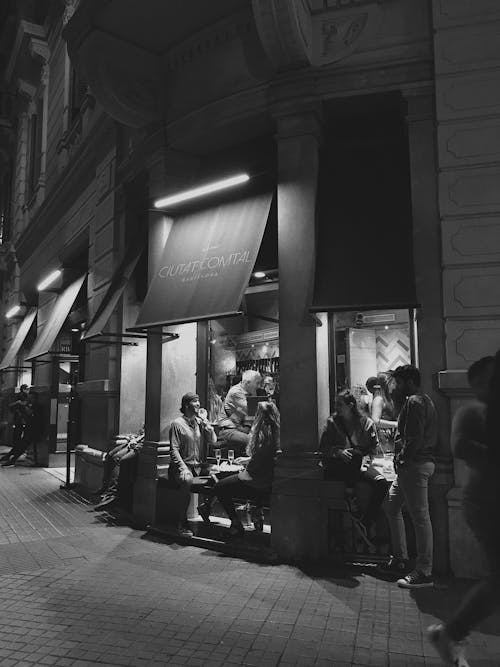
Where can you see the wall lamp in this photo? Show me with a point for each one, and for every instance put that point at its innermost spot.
(13, 312)
(49, 280)
(202, 190)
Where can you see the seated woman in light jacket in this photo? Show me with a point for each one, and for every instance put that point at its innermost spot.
(255, 481)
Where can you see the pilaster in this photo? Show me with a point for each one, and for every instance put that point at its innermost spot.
(299, 526)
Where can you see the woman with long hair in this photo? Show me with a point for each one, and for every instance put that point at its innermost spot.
(254, 482)
(348, 437)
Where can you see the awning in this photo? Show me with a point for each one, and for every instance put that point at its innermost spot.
(206, 263)
(118, 283)
(19, 338)
(364, 257)
(52, 327)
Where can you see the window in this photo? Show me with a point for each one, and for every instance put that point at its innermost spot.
(78, 90)
(35, 125)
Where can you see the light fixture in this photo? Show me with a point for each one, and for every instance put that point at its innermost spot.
(259, 274)
(202, 190)
(13, 311)
(49, 280)
(212, 341)
(74, 329)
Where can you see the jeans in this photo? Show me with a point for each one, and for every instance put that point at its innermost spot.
(233, 487)
(410, 488)
(484, 597)
(235, 439)
(114, 458)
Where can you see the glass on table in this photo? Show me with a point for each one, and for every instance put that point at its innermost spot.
(230, 456)
(218, 456)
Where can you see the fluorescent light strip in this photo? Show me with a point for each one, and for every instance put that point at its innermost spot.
(202, 190)
(13, 311)
(49, 280)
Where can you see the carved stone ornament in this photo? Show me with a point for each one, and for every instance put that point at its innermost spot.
(314, 32)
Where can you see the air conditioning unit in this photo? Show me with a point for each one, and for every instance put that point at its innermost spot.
(379, 318)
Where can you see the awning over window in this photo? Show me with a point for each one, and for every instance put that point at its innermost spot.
(118, 283)
(52, 327)
(206, 263)
(364, 257)
(19, 338)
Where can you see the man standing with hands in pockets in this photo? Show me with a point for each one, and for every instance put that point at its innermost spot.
(414, 446)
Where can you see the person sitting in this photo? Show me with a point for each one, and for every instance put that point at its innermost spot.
(123, 452)
(254, 482)
(347, 438)
(233, 431)
(190, 436)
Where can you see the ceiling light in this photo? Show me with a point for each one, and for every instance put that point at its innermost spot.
(202, 190)
(74, 329)
(259, 274)
(49, 280)
(13, 311)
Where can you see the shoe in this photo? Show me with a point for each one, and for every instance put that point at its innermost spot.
(8, 464)
(416, 579)
(451, 652)
(105, 502)
(393, 566)
(182, 531)
(236, 530)
(204, 512)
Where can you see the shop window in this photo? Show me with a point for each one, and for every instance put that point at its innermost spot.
(366, 344)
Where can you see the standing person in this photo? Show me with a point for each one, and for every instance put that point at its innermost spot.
(475, 440)
(347, 438)
(233, 430)
(381, 410)
(255, 481)
(190, 435)
(414, 446)
(22, 411)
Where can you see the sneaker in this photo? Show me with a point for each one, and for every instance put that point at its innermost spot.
(204, 512)
(416, 579)
(394, 566)
(451, 652)
(105, 502)
(8, 464)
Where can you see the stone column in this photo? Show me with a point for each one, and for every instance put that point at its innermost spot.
(298, 518)
(430, 326)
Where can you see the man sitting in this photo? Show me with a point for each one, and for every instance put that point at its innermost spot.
(112, 460)
(234, 432)
(190, 435)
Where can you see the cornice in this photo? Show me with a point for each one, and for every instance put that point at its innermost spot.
(64, 192)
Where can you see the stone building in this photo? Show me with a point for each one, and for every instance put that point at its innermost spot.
(373, 126)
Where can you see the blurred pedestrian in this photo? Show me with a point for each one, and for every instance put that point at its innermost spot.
(475, 440)
(22, 414)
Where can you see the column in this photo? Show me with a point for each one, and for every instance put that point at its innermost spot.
(299, 520)
(430, 325)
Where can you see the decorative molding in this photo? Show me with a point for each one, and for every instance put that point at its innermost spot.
(472, 291)
(339, 34)
(467, 341)
(468, 94)
(471, 241)
(470, 191)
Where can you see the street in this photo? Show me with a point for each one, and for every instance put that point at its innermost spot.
(78, 589)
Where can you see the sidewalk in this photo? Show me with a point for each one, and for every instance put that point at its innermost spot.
(77, 590)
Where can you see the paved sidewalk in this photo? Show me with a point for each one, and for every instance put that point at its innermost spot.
(77, 590)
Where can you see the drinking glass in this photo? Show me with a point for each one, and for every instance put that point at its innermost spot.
(218, 456)
(230, 456)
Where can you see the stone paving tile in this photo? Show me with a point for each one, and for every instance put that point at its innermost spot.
(75, 590)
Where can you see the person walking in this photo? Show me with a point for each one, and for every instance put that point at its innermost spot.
(22, 410)
(475, 440)
(414, 446)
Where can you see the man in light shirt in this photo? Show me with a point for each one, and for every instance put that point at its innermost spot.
(233, 429)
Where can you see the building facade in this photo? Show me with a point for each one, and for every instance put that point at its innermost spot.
(374, 126)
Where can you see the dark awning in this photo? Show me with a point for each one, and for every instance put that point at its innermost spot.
(364, 257)
(118, 283)
(19, 338)
(206, 264)
(60, 311)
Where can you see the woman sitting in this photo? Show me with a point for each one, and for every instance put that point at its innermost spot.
(348, 437)
(255, 481)
(382, 411)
